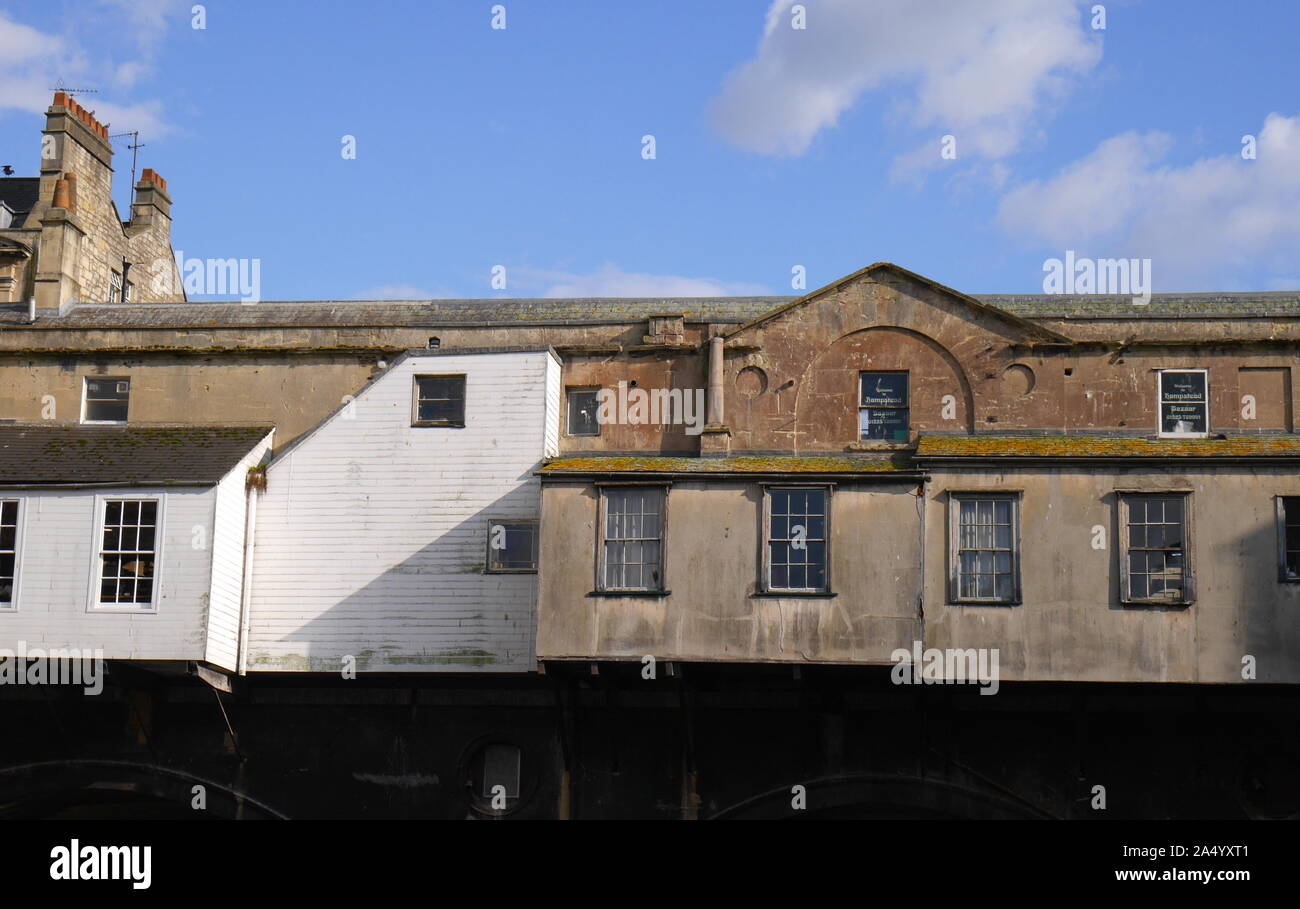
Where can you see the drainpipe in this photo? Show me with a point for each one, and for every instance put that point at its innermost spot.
(31, 309)
(920, 593)
(715, 381)
(246, 590)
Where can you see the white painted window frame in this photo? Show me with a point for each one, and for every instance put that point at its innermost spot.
(93, 604)
(16, 599)
(85, 390)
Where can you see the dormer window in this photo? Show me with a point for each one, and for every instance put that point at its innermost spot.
(1183, 397)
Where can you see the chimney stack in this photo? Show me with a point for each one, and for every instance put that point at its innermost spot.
(151, 201)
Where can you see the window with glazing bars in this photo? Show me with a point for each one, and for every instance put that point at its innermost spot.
(796, 540)
(8, 551)
(1288, 538)
(127, 552)
(985, 548)
(633, 538)
(1155, 548)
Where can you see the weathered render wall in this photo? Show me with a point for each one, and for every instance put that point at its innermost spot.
(371, 538)
(712, 566)
(293, 394)
(59, 540)
(1072, 626)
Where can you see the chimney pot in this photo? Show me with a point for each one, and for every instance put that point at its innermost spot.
(62, 194)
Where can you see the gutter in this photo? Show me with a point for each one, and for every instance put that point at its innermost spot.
(883, 476)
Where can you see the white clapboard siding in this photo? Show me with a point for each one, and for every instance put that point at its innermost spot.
(59, 551)
(228, 561)
(371, 537)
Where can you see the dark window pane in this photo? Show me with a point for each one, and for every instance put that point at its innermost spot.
(441, 399)
(1174, 510)
(583, 411)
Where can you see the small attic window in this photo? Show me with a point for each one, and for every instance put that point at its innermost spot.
(105, 400)
(439, 401)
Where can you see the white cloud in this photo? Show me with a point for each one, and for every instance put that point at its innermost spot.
(981, 71)
(31, 62)
(1222, 218)
(611, 281)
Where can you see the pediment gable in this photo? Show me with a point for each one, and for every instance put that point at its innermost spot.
(882, 278)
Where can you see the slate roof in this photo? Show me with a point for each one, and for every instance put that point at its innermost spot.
(20, 194)
(140, 455)
(391, 314)
(520, 312)
(987, 447)
(777, 464)
(1162, 306)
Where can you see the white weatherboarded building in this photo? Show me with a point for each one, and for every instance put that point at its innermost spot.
(399, 535)
(125, 539)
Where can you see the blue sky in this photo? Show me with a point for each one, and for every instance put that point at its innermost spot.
(775, 147)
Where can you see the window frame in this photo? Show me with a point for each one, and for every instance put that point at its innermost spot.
(1125, 498)
(765, 542)
(85, 400)
(569, 391)
(15, 596)
(97, 555)
(1160, 404)
(602, 526)
(955, 498)
(906, 408)
(415, 399)
(1284, 575)
(513, 522)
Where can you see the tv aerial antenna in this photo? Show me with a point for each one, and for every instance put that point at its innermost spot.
(74, 91)
(135, 144)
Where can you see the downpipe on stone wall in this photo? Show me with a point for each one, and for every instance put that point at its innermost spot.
(920, 592)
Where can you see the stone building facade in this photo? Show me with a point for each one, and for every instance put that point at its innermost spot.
(62, 239)
(1103, 495)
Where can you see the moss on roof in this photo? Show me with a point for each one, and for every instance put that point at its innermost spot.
(1062, 446)
(147, 454)
(748, 465)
